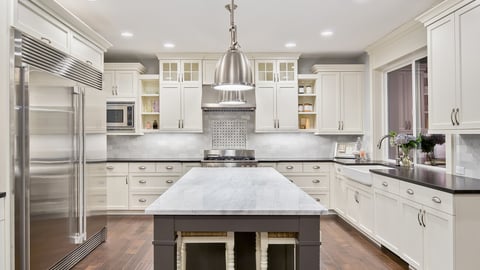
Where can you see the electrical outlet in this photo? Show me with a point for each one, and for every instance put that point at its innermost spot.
(460, 170)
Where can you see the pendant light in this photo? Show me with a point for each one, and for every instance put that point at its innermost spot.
(232, 97)
(233, 71)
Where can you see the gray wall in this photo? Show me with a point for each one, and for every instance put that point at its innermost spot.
(467, 154)
(191, 145)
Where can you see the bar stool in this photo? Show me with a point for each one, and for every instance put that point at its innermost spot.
(264, 239)
(184, 238)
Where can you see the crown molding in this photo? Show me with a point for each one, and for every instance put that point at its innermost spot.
(441, 10)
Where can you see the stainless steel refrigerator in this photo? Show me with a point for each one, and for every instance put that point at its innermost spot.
(59, 142)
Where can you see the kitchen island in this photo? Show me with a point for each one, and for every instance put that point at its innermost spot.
(236, 200)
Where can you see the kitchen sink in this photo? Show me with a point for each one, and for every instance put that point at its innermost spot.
(361, 174)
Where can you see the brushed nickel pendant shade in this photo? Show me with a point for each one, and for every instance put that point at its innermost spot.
(233, 71)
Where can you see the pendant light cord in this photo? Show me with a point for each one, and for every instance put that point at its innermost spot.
(233, 28)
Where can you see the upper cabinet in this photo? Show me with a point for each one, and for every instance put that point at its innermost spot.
(340, 96)
(121, 80)
(37, 21)
(181, 95)
(276, 95)
(453, 42)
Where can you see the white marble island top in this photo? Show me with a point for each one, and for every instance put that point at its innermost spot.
(234, 191)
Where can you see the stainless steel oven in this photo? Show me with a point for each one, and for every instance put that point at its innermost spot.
(120, 115)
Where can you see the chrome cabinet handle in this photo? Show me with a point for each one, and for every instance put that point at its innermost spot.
(316, 167)
(410, 191)
(169, 181)
(142, 200)
(289, 167)
(46, 40)
(179, 124)
(436, 199)
(423, 218)
(113, 91)
(316, 181)
(342, 124)
(142, 167)
(418, 217)
(142, 181)
(451, 117)
(456, 116)
(110, 167)
(169, 167)
(278, 123)
(89, 62)
(126, 180)
(290, 180)
(338, 125)
(317, 199)
(385, 184)
(116, 90)
(356, 197)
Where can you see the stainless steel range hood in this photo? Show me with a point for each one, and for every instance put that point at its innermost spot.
(211, 101)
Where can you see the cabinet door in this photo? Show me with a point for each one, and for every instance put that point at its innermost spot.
(109, 83)
(191, 72)
(264, 114)
(169, 72)
(411, 234)
(351, 102)
(387, 219)
(286, 71)
(287, 107)
(438, 239)
(353, 205)
(170, 107)
(127, 83)
(329, 100)
(441, 65)
(340, 195)
(86, 52)
(192, 108)
(365, 214)
(208, 71)
(117, 192)
(265, 71)
(468, 36)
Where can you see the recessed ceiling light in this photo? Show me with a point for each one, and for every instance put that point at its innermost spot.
(327, 33)
(91, 0)
(290, 45)
(169, 45)
(127, 34)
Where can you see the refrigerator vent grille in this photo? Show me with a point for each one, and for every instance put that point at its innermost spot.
(41, 55)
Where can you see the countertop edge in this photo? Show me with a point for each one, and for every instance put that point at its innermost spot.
(236, 213)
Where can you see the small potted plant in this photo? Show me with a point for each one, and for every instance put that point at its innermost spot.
(428, 145)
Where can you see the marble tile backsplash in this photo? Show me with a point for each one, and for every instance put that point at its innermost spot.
(191, 145)
(467, 154)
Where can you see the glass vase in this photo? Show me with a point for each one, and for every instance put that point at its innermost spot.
(405, 158)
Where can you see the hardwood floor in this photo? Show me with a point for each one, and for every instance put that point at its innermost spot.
(129, 246)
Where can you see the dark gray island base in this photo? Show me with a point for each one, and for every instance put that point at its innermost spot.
(307, 227)
(239, 200)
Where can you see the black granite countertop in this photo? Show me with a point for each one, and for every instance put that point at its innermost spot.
(154, 159)
(3, 194)
(434, 179)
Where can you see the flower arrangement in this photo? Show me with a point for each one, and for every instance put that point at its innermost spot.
(427, 145)
(405, 144)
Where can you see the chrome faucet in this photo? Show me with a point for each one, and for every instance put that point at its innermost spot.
(379, 145)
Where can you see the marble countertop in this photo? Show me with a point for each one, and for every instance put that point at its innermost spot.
(2, 194)
(234, 191)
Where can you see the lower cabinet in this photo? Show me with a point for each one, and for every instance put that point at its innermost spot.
(339, 195)
(387, 219)
(117, 192)
(359, 208)
(2, 234)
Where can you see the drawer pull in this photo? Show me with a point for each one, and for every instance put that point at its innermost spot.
(142, 200)
(316, 167)
(410, 191)
(316, 181)
(169, 167)
(110, 167)
(142, 181)
(418, 217)
(289, 167)
(142, 167)
(290, 180)
(89, 62)
(46, 40)
(317, 199)
(436, 199)
(169, 181)
(385, 184)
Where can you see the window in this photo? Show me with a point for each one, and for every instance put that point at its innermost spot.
(407, 109)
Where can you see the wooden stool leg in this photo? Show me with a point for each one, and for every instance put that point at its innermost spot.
(183, 255)
(179, 245)
(263, 250)
(230, 255)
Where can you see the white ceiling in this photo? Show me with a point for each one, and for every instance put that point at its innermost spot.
(263, 25)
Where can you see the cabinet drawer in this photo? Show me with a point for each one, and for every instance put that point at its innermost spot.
(2, 209)
(87, 52)
(267, 165)
(142, 201)
(138, 167)
(311, 181)
(321, 198)
(290, 167)
(117, 168)
(427, 196)
(312, 167)
(386, 183)
(146, 182)
(169, 167)
(43, 27)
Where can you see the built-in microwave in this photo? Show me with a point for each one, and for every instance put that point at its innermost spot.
(121, 116)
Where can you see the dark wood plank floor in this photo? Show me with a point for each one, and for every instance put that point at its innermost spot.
(129, 246)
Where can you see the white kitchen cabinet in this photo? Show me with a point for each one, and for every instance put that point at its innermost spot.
(150, 102)
(340, 94)
(87, 52)
(181, 95)
(453, 43)
(387, 219)
(438, 237)
(411, 233)
(339, 194)
(117, 192)
(2, 234)
(276, 95)
(208, 71)
(121, 80)
(359, 207)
